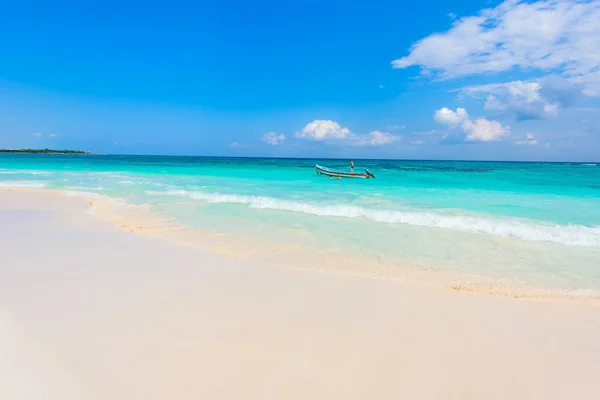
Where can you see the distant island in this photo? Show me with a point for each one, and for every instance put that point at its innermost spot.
(43, 151)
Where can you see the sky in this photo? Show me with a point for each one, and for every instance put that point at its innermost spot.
(371, 79)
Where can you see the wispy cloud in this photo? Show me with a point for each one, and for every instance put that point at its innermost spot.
(40, 134)
(529, 140)
(395, 127)
(237, 145)
(375, 138)
(548, 35)
(536, 99)
(273, 138)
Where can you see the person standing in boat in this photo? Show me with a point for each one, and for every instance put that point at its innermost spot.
(351, 166)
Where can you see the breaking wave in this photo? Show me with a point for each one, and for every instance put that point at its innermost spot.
(173, 192)
(85, 188)
(571, 235)
(23, 172)
(23, 184)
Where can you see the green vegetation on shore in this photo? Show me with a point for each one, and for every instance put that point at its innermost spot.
(43, 151)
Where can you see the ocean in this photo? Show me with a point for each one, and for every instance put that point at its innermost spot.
(535, 226)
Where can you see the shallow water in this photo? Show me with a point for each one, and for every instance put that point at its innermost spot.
(535, 224)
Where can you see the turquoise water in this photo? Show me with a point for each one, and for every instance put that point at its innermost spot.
(536, 224)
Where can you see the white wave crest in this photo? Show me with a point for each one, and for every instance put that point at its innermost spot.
(171, 192)
(81, 193)
(24, 172)
(23, 184)
(135, 182)
(85, 188)
(572, 235)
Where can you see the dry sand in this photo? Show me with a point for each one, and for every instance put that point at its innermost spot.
(91, 312)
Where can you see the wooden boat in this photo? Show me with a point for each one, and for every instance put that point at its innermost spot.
(341, 174)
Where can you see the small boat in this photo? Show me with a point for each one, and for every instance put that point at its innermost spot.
(341, 174)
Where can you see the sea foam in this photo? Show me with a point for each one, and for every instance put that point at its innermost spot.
(23, 184)
(571, 235)
(24, 172)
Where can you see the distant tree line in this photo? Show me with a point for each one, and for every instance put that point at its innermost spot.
(43, 151)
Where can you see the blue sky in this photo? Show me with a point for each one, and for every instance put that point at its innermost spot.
(461, 80)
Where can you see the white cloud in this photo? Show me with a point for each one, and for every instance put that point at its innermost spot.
(482, 129)
(529, 139)
(237, 145)
(321, 129)
(549, 35)
(332, 133)
(273, 139)
(375, 138)
(53, 135)
(527, 91)
(538, 99)
(417, 142)
(494, 103)
(446, 116)
(38, 134)
(396, 127)
(550, 109)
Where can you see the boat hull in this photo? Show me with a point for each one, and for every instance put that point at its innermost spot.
(340, 174)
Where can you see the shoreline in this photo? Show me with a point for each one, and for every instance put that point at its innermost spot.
(140, 220)
(89, 312)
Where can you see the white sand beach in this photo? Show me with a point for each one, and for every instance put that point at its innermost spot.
(88, 311)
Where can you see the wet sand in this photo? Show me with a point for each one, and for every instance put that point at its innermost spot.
(88, 311)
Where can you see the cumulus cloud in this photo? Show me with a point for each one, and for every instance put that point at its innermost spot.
(537, 99)
(273, 139)
(375, 138)
(549, 35)
(446, 116)
(332, 133)
(523, 98)
(484, 130)
(237, 145)
(321, 129)
(529, 140)
(480, 130)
